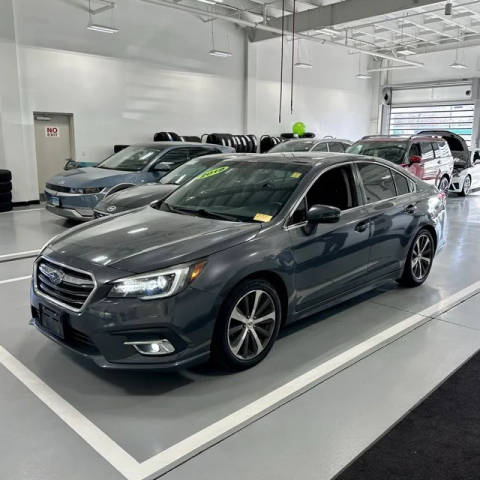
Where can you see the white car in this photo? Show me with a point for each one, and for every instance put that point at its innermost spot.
(466, 169)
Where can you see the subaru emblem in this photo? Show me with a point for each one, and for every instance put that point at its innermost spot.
(54, 276)
(111, 209)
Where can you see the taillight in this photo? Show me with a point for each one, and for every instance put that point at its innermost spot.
(442, 196)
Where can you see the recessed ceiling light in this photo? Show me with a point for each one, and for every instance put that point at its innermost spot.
(458, 65)
(406, 51)
(102, 28)
(303, 65)
(363, 76)
(210, 2)
(219, 53)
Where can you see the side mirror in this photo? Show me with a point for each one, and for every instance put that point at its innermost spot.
(415, 159)
(323, 214)
(163, 167)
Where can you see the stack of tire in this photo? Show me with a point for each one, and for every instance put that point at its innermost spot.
(241, 143)
(289, 136)
(267, 142)
(5, 191)
(174, 137)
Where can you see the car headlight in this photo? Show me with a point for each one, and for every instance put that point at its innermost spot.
(86, 190)
(163, 283)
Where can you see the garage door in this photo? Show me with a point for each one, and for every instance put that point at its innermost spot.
(457, 118)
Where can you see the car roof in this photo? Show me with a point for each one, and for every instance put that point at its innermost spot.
(317, 140)
(174, 144)
(396, 138)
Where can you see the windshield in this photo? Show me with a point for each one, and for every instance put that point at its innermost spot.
(293, 146)
(394, 151)
(132, 159)
(188, 170)
(238, 191)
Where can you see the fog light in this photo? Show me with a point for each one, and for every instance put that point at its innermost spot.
(152, 347)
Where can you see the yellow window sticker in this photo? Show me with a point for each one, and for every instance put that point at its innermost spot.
(261, 217)
(296, 175)
(213, 172)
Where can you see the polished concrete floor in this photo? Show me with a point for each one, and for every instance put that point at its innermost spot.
(313, 434)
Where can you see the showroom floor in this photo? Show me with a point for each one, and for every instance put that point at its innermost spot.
(64, 418)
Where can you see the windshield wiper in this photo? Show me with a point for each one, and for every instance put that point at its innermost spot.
(203, 213)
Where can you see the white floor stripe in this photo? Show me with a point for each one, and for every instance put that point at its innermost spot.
(97, 439)
(26, 253)
(20, 211)
(184, 449)
(10, 280)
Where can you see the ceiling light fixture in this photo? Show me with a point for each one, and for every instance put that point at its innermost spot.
(208, 2)
(360, 74)
(299, 63)
(406, 51)
(215, 51)
(303, 65)
(457, 64)
(97, 27)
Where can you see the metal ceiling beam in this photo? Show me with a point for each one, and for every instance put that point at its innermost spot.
(276, 31)
(347, 11)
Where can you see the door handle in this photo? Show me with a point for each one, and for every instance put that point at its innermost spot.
(362, 226)
(411, 209)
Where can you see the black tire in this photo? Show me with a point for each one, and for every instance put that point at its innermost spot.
(5, 187)
(467, 185)
(444, 184)
(5, 175)
(225, 328)
(5, 197)
(6, 207)
(410, 277)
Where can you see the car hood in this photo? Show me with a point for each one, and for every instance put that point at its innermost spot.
(134, 197)
(148, 239)
(92, 177)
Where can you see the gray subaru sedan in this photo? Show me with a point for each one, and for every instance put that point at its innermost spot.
(224, 262)
(74, 193)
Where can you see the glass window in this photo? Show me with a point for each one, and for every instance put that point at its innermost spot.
(187, 171)
(131, 159)
(335, 188)
(415, 150)
(293, 146)
(444, 149)
(377, 181)
(336, 147)
(176, 155)
(436, 149)
(321, 147)
(238, 190)
(427, 150)
(401, 182)
(300, 213)
(393, 150)
(199, 151)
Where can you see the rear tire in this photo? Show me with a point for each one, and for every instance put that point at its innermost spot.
(247, 325)
(444, 185)
(467, 185)
(419, 260)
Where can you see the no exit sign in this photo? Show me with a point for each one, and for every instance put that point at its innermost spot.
(52, 131)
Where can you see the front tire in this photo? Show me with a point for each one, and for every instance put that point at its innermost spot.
(247, 326)
(467, 185)
(444, 185)
(419, 260)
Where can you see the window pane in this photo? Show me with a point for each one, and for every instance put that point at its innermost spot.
(377, 181)
(336, 147)
(427, 150)
(177, 155)
(334, 188)
(401, 182)
(321, 147)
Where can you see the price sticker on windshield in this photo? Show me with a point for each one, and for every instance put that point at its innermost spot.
(213, 172)
(296, 175)
(261, 217)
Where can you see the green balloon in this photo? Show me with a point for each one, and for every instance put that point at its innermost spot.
(299, 128)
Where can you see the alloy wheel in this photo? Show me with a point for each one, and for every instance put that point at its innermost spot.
(251, 324)
(444, 184)
(422, 256)
(467, 185)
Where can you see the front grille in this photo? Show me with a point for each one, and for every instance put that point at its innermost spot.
(80, 340)
(62, 284)
(57, 188)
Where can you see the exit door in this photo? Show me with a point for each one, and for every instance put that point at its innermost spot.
(53, 145)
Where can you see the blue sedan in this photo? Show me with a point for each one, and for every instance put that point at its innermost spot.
(74, 193)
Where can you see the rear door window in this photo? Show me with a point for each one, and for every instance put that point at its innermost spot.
(401, 183)
(321, 147)
(377, 182)
(336, 147)
(415, 150)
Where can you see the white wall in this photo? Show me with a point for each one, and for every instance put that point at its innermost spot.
(327, 98)
(154, 75)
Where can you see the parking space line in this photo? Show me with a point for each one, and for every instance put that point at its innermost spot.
(10, 280)
(80, 424)
(19, 255)
(171, 457)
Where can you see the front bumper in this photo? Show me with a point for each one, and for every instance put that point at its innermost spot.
(73, 206)
(100, 329)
